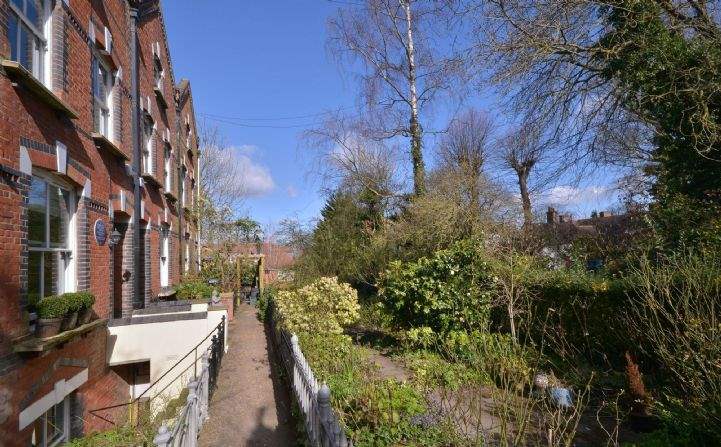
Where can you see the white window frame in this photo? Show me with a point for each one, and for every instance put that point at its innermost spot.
(41, 63)
(158, 74)
(64, 406)
(165, 255)
(67, 281)
(148, 146)
(184, 176)
(107, 103)
(186, 263)
(168, 171)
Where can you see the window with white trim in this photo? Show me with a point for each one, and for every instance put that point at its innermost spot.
(158, 74)
(167, 169)
(51, 241)
(148, 146)
(28, 36)
(183, 176)
(164, 256)
(53, 427)
(102, 84)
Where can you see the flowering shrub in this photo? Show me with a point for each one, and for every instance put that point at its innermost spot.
(324, 306)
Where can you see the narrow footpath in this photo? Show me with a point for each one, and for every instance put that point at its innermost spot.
(250, 406)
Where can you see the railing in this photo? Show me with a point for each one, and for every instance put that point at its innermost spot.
(215, 352)
(322, 425)
(184, 433)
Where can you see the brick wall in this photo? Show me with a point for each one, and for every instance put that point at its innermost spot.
(98, 176)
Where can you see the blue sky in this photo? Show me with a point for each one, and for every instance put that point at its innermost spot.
(260, 71)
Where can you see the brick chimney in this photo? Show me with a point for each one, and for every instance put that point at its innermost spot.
(551, 215)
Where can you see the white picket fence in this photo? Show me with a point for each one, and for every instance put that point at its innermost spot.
(322, 426)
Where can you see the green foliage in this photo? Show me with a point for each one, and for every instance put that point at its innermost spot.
(451, 290)
(55, 306)
(671, 77)
(87, 299)
(431, 370)
(340, 245)
(265, 302)
(326, 306)
(375, 412)
(119, 436)
(77, 301)
(193, 289)
(676, 314)
(581, 309)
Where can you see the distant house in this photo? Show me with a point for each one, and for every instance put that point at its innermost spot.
(278, 259)
(604, 229)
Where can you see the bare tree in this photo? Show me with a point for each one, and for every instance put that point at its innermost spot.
(348, 158)
(221, 172)
(222, 185)
(463, 150)
(521, 151)
(403, 68)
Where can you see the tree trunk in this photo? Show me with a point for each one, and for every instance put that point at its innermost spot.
(419, 183)
(525, 197)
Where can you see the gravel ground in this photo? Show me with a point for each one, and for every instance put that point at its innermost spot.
(250, 407)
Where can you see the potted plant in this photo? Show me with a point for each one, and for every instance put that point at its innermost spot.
(87, 300)
(73, 305)
(51, 311)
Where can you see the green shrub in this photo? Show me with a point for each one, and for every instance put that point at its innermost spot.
(265, 303)
(193, 289)
(676, 314)
(579, 314)
(452, 290)
(77, 301)
(52, 307)
(375, 412)
(87, 299)
(323, 306)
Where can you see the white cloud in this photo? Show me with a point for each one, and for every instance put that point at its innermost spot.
(292, 192)
(256, 178)
(572, 196)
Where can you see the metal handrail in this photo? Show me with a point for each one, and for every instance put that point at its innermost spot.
(218, 328)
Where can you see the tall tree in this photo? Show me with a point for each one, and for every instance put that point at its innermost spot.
(403, 67)
(521, 150)
(463, 151)
(595, 68)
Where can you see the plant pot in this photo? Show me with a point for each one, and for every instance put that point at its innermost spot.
(69, 321)
(47, 327)
(85, 315)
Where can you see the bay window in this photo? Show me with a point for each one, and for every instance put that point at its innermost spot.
(27, 35)
(51, 210)
(102, 85)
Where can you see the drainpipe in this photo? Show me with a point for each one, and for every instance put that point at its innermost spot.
(179, 173)
(135, 126)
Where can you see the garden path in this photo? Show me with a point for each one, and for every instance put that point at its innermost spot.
(250, 406)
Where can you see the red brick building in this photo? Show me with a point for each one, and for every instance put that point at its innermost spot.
(67, 131)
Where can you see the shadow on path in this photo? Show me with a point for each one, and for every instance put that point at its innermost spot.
(251, 406)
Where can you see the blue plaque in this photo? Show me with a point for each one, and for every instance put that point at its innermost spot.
(101, 233)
